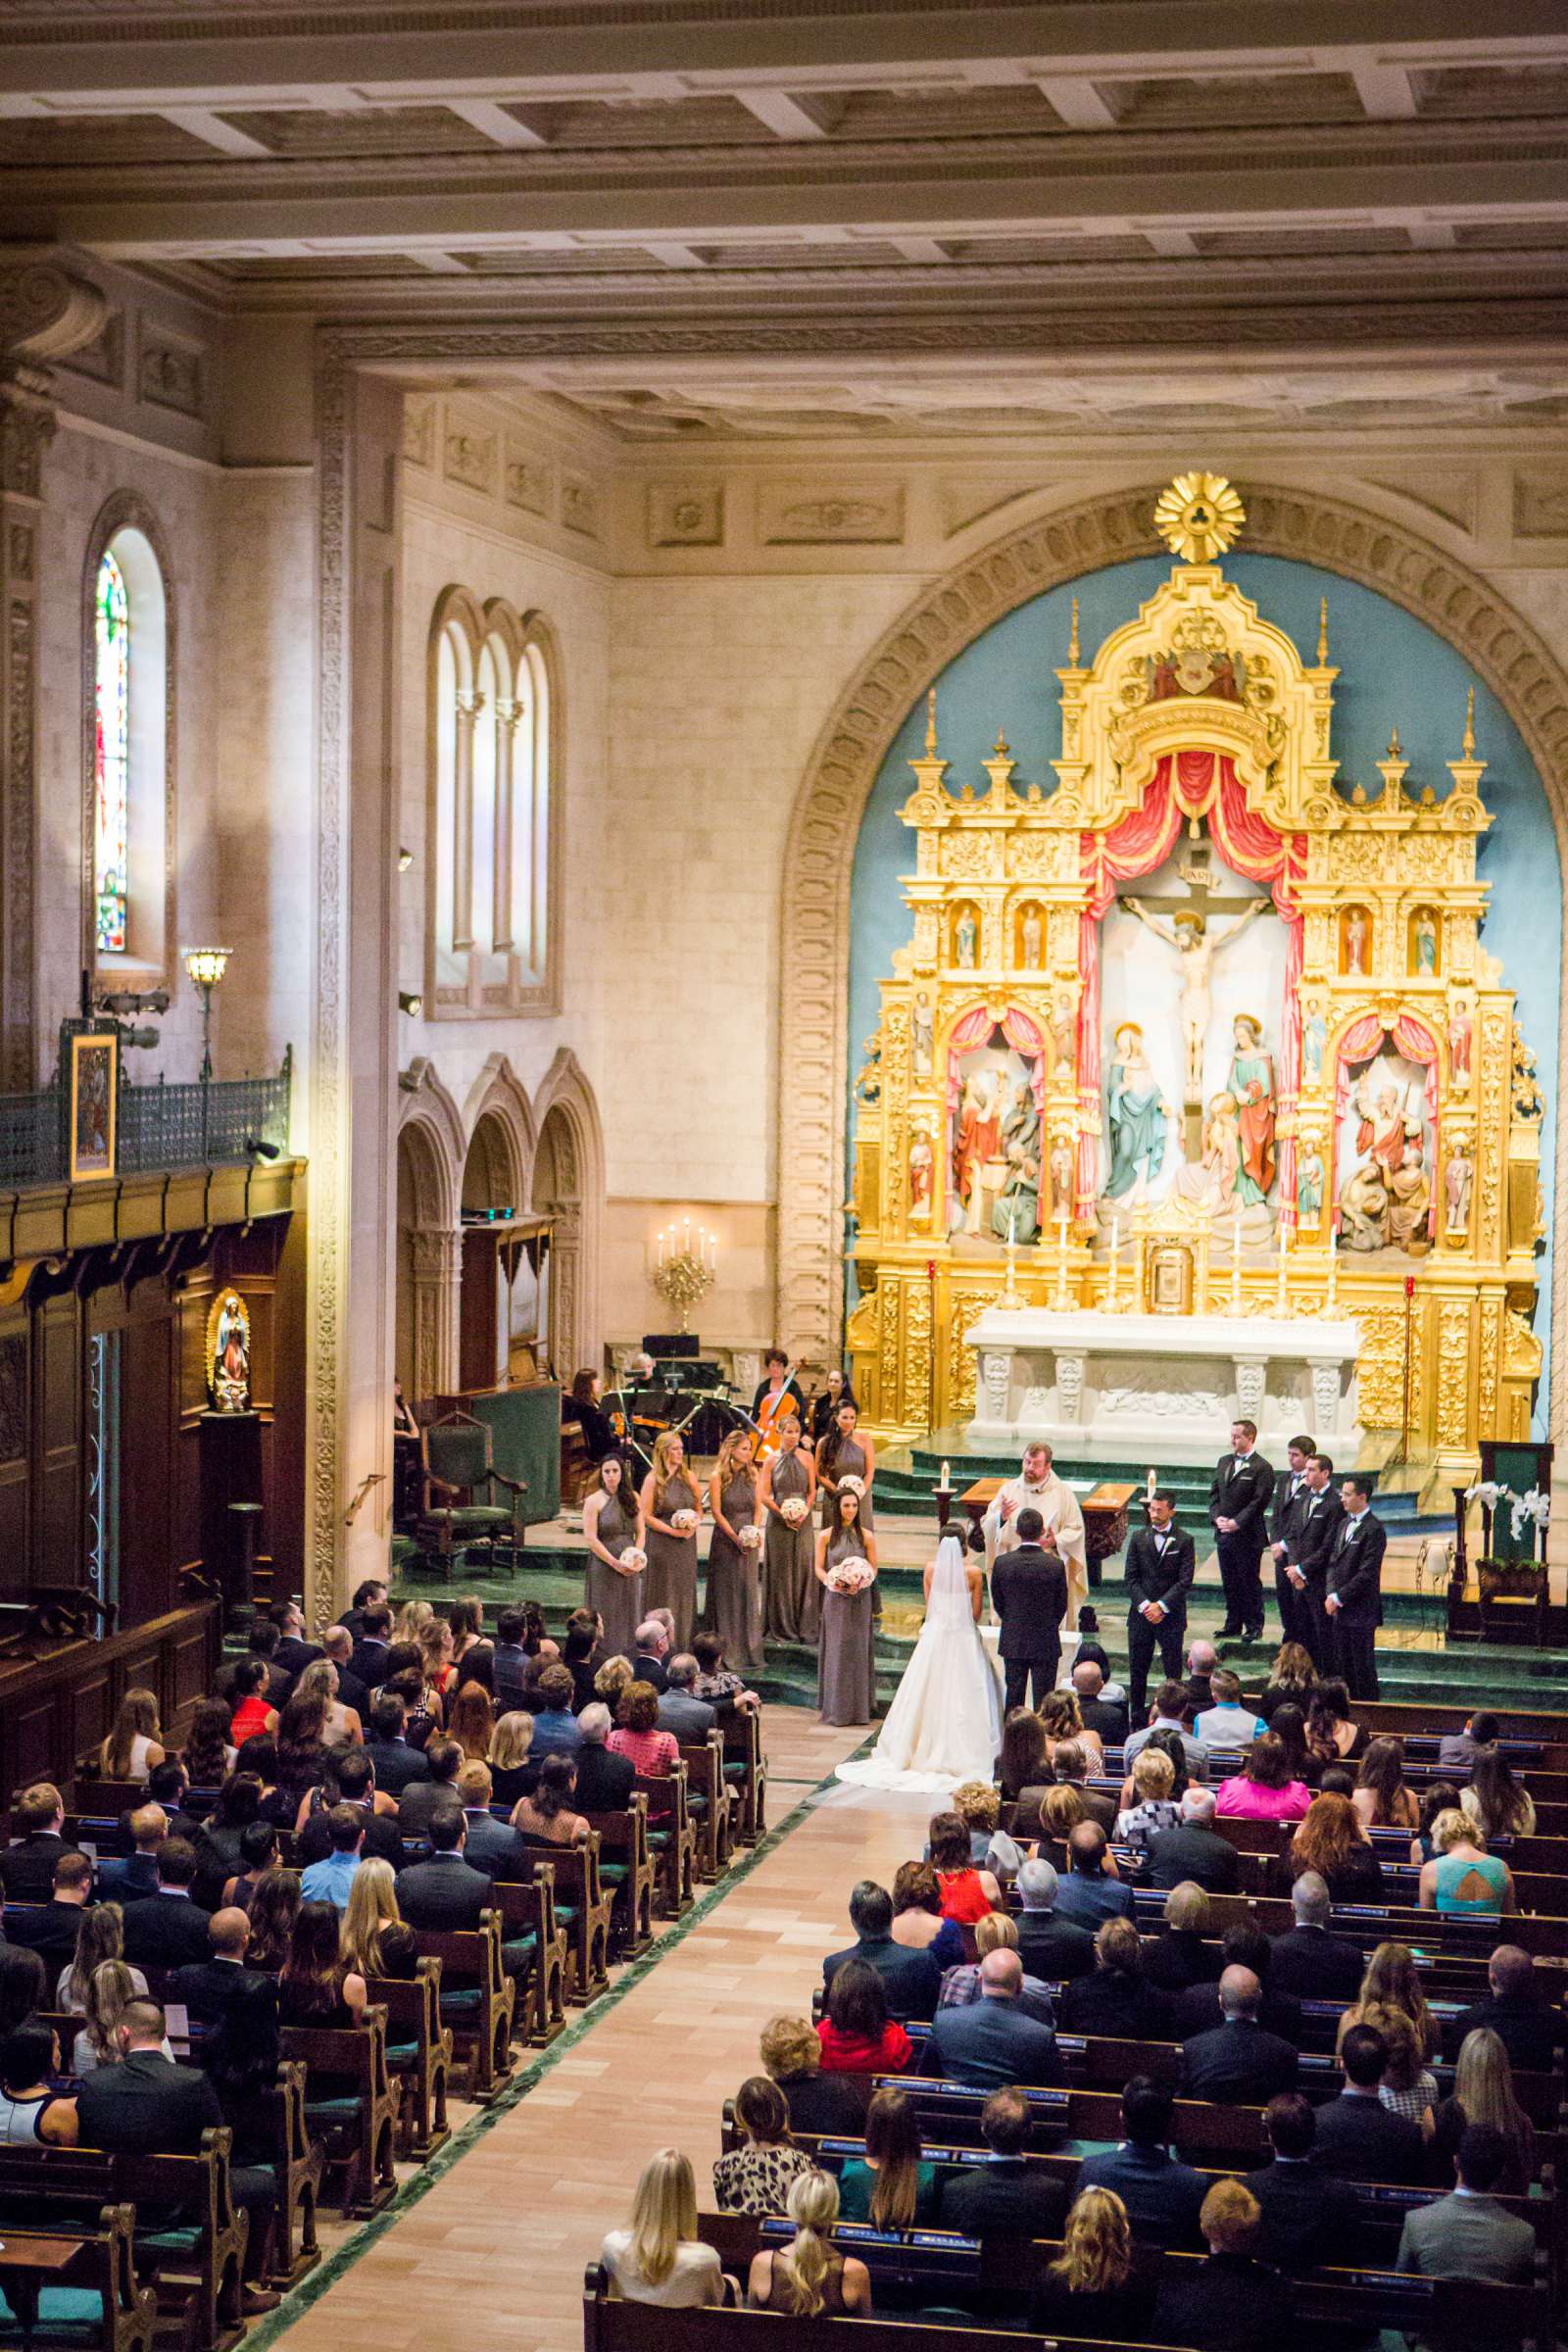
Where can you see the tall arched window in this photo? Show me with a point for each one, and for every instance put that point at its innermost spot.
(128, 872)
(491, 852)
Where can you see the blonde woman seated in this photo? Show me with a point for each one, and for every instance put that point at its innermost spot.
(1462, 1878)
(808, 2278)
(1408, 2087)
(1153, 1808)
(373, 1938)
(1091, 2288)
(758, 2178)
(112, 1988)
(511, 1773)
(659, 2258)
(341, 1723)
(998, 1932)
(1063, 1722)
(1392, 1980)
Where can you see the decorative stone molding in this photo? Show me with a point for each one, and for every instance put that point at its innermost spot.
(46, 311)
(1500, 645)
(425, 1104)
(499, 1094)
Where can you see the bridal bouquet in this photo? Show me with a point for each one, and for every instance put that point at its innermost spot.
(684, 1522)
(633, 1561)
(751, 1538)
(794, 1509)
(853, 1486)
(852, 1576)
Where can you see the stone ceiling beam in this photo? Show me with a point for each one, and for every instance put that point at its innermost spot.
(496, 122)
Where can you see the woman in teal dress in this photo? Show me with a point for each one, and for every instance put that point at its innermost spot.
(892, 2186)
(1462, 1878)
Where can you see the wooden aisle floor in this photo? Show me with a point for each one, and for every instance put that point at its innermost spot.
(490, 2256)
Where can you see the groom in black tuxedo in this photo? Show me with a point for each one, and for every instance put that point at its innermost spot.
(1158, 1575)
(1029, 1593)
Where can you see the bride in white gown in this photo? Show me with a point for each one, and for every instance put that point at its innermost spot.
(945, 1724)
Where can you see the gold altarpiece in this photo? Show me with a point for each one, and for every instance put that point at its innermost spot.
(1200, 721)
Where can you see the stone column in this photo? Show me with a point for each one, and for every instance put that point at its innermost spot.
(45, 311)
(437, 1256)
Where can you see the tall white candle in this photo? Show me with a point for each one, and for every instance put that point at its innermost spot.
(1152, 1482)
(660, 1245)
(688, 1241)
(1061, 1232)
(1115, 1237)
(946, 1480)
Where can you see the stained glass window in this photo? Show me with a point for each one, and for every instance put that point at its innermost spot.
(112, 754)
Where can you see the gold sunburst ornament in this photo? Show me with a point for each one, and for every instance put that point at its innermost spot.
(1198, 516)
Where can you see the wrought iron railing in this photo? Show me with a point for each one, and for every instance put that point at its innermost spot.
(157, 1126)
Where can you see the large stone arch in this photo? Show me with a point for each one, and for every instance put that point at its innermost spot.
(949, 614)
(499, 1094)
(432, 1148)
(572, 1158)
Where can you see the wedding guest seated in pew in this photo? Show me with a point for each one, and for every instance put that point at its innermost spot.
(206, 1752)
(31, 2111)
(992, 2041)
(386, 1742)
(808, 2277)
(23, 1987)
(1383, 1800)
(351, 1782)
(316, 1986)
(1468, 2234)
(1291, 1681)
(997, 1931)
(37, 1821)
(1530, 2030)
(275, 1906)
(1308, 2215)
(1408, 2087)
(1332, 1841)
(1194, 1850)
(827, 2104)
(1358, 2136)
(1482, 2094)
(1332, 1734)
(555, 1726)
(1496, 1800)
(1153, 1808)
(1091, 1890)
(715, 1684)
(919, 1924)
(1242, 1945)
(1092, 2289)
(1183, 1953)
(549, 1814)
(1228, 1723)
(654, 1753)
(1232, 2302)
(1437, 1796)
(1309, 1961)
(1390, 1980)
(1022, 1762)
(1462, 1878)
(911, 1979)
(169, 1926)
(659, 2258)
(1238, 2063)
(1457, 1750)
(1163, 2195)
(206, 1989)
(329, 1880)
(1062, 1718)
(603, 1778)
(254, 1710)
(436, 1792)
(891, 2185)
(1264, 1790)
(52, 1931)
(858, 2036)
(110, 1989)
(680, 1710)
(1170, 1712)
(1050, 1946)
(757, 2178)
(1007, 2196)
(492, 1846)
(99, 1936)
(1105, 1717)
(136, 1877)
(373, 1938)
(967, 1894)
(1071, 1764)
(1117, 2000)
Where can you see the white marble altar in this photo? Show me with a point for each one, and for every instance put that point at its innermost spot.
(1162, 1388)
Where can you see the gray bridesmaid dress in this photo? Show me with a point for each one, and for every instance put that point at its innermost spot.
(618, 1599)
(792, 1596)
(850, 1464)
(734, 1581)
(670, 1579)
(846, 1669)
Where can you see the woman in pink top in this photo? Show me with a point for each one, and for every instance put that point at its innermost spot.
(654, 1753)
(1263, 1790)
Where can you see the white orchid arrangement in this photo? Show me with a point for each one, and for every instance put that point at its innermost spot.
(1534, 1504)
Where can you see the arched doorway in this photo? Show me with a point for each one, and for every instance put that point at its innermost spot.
(430, 1159)
(568, 1188)
(491, 1198)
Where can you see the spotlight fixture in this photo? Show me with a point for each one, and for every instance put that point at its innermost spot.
(405, 860)
(412, 1006)
(258, 1150)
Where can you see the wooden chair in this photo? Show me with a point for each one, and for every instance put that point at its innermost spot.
(92, 2301)
(298, 2160)
(419, 2056)
(457, 1469)
(710, 1806)
(357, 2121)
(528, 1916)
(671, 1838)
(583, 1905)
(626, 1868)
(477, 2001)
(745, 1770)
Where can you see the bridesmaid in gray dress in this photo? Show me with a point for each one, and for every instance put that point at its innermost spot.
(844, 1454)
(612, 1524)
(734, 1607)
(846, 1669)
(671, 1581)
(792, 1598)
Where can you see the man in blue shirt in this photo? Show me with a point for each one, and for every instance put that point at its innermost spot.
(1086, 1894)
(329, 1880)
(555, 1726)
(990, 2041)
(1162, 2197)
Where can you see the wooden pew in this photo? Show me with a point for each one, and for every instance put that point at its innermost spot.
(350, 2101)
(51, 2305)
(710, 1806)
(612, 2326)
(413, 2019)
(746, 1769)
(626, 1868)
(528, 1916)
(671, 1838)
(583, 1906)
(298, 2163)
(477, 2001)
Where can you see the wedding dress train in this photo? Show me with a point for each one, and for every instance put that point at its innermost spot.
(945, 1724)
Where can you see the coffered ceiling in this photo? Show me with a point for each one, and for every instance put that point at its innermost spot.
(1231, 176)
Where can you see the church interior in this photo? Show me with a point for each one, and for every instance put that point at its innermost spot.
(1124, 454)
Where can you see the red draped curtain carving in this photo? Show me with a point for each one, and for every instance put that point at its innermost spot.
(1188, 784)
(973, 1028)
(1365, 1035)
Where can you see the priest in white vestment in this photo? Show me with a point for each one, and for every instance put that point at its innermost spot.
(1037, 1485)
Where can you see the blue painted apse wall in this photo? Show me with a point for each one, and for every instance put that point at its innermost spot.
(1395, 671)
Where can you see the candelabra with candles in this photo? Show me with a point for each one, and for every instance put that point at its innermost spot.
(685, 1267)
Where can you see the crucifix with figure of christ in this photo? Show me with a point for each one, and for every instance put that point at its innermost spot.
(1196, 947)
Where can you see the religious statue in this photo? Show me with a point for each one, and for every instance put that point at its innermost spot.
(1462, 1037)
(1381, 1122)
(979, 1130)
(922, 1170)
(1065, 1029)
(1309, 1177)
(1426, 942)
(1137, 1113)
(228, 1340)
(1251, 1082)
(1365, 1209)
(1357, 940)
(1410, 1203)
(1060, 1166)
(868, 1085)
(1016, 1214)
(1457, 1178)
(922, 1035)
(1314, 1039)
(966, 938)
(1189, 935)
(1032, 932)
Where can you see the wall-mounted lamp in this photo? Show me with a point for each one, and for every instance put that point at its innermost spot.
(405, 860)
(207, 966)
(412, 1006)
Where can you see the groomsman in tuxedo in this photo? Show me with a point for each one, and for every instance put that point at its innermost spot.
(1238, 1498)
(1029, 1594)
(1290, 1502)
(1158, 1574)
(1354, 1600)
(1318, 1521)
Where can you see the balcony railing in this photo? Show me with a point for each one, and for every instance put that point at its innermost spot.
(157, 1126)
